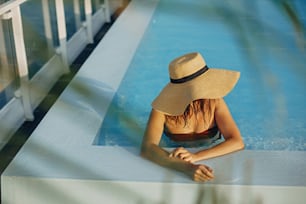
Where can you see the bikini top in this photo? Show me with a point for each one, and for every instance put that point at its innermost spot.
(179, 137)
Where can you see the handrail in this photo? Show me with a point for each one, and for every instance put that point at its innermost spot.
(9, 5)
(24, 95)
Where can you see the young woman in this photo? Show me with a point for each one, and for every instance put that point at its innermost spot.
(191, 110)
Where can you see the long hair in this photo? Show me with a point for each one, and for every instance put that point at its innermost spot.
(206, 107)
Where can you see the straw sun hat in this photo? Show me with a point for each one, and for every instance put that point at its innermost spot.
(191, 79)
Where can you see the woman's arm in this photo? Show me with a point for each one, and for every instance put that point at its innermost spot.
(228, 128)
(150, 149)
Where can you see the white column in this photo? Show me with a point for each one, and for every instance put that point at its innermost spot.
(6, 68)
(107, 11)
(88, 13)
(4, 74)
(97, 4)
(22, 63)
(3, 54)
(77, 13)
(47, 25)
(62, 33)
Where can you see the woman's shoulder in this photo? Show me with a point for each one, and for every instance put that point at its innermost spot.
(157, 114)
(219, 102)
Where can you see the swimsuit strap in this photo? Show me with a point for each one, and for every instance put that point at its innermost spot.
(193, 136)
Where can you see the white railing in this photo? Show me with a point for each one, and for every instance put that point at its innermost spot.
(11, 10)
(9, 5)
(31, 92)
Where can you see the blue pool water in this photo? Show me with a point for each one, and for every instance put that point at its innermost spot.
(257, 38)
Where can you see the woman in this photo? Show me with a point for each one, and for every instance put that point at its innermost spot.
(191, 109)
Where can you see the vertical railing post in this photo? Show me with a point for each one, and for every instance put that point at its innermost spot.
(77, 13)
(47, 25)
(22, 63)
(3, 57)
(88, 13)
(62, 33)
(107, 11)
(97, 4)
(6, 68)
(3, 54)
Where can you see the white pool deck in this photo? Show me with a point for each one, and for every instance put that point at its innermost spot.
(60, 164)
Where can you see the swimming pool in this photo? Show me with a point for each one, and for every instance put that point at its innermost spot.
(268, 102)
(63, 166)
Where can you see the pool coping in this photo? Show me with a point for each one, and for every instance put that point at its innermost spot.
(60, 152)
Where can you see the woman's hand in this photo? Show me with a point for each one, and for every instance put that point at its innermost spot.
(201, 173)
(198, 172)
(183, 154)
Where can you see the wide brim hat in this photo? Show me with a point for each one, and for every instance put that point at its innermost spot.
(191, 79)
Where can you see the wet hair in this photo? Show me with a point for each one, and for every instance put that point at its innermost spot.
(206, 107)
